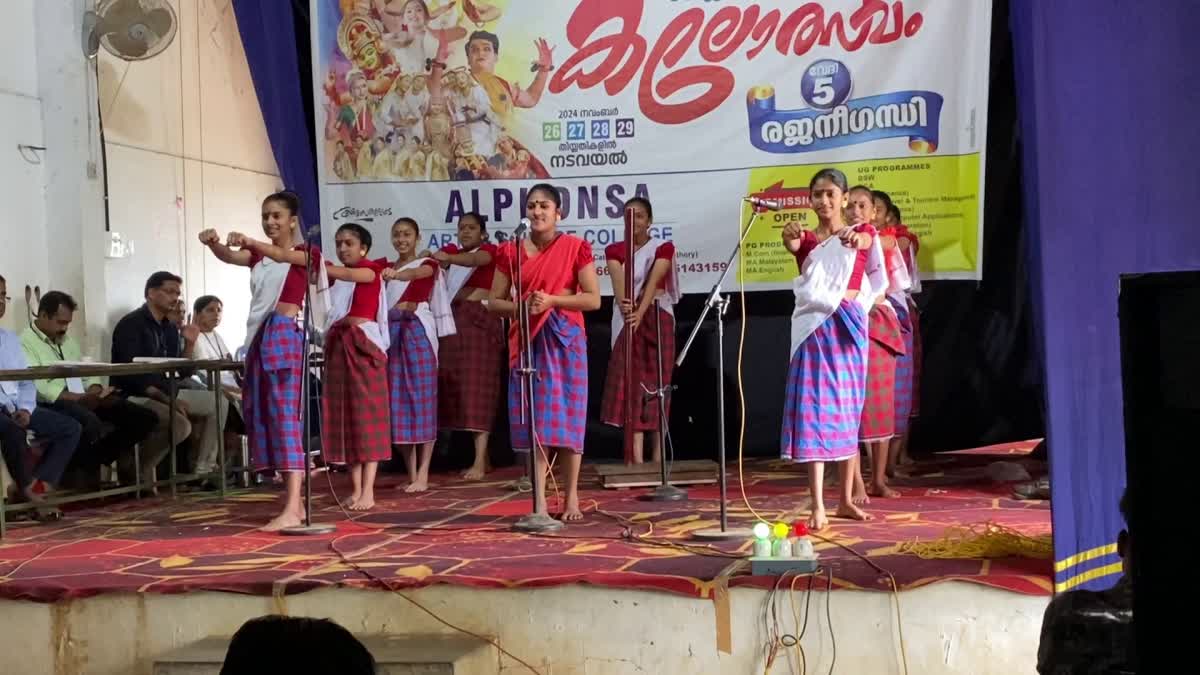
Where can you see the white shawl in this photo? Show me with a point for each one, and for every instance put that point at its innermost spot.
(435, 316)
(341, 295)
(266, 286)
(899, 282)
(643, 262)
(456, 275)
(824, 279)
(875, 277)
(910, 257)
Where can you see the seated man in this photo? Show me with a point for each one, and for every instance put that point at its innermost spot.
(147, 332)
(88, 402)
(1092, 631)
(19, 414)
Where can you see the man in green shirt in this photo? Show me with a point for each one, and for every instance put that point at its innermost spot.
(111, 424)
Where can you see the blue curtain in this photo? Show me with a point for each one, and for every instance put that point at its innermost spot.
(268, 29)
(1106, 93)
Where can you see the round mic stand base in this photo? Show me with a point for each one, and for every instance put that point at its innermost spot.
(522, 484)
(536, 523)
(308, 530)
(665, 493)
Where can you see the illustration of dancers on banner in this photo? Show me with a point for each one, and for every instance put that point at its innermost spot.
(412, 93)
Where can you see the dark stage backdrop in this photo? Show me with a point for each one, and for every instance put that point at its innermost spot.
(981, 383)
(1108, 93)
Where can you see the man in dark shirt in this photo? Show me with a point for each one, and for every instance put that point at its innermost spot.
(1092, 631)
(147, 332)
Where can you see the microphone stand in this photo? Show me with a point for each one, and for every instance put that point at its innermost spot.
(538, 521)
(718, 301)
(307, 528)
(665, 492)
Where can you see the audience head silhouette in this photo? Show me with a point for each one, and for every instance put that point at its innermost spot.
(297, 646)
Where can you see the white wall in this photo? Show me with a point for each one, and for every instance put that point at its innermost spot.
(22, 206)
(186, 149)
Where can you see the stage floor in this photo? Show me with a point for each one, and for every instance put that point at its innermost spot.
(457, 533)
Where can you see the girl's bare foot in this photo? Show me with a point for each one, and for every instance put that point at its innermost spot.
(851, 512)
(364, 503)
(572, 512)
(860, 495)
(817, 520)
(883, 491)
(476, 472)
(284, 520)
(417, 486)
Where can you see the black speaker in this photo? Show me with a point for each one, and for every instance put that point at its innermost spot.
(1160, 372)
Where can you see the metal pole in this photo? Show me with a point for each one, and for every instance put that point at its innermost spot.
(307, 528)
(537, 521)
(214, 377)
(170, 431)
(721, 303)
(665, 492)
(631, 387)
(721, 411)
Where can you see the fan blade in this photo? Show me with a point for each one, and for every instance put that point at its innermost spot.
(121, 13)
(160, 21)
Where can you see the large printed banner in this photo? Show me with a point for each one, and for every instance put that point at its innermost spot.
(435, 109)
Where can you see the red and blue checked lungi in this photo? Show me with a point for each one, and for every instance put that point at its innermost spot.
(470, 363)
(354, 404)
(560, 390)
(645, 372)
(878, 422)
(271, 396)
(826, 384)
(412, 380)
(904, 368)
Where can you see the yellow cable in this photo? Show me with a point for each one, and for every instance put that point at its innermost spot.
(740, 386)
(981, 540)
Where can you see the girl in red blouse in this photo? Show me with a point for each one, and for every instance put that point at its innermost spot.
(656, 287)
(471, 361)
(826, 380)
(908, 365)
(558, 280)
(355, 425)
(878, 423)
(271, 401)
(412, 352)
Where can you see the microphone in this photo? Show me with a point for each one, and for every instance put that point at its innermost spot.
(522, 229)
(760, 203)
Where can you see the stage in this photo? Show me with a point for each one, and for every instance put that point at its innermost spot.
(457, 535)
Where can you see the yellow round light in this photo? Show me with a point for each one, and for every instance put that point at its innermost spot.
(780, 530)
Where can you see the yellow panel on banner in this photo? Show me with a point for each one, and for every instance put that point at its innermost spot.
(937, 196)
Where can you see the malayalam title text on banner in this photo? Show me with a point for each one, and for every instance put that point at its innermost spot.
(434, 109)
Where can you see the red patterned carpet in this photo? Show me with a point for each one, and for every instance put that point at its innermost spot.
(457, 533)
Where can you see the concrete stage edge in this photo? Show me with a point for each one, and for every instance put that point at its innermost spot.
(949, 627)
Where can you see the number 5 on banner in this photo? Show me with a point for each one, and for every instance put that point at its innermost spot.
(823, 91)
